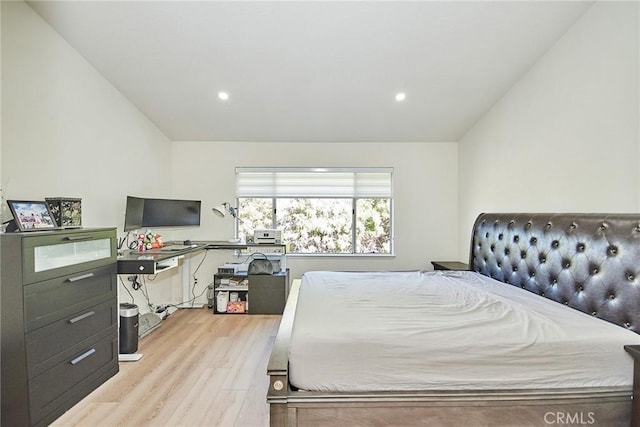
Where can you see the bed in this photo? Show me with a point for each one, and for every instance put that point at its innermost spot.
(534, 334)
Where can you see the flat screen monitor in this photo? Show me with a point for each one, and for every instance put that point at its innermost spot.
(133, 213)
(146, 212)
(170, 213)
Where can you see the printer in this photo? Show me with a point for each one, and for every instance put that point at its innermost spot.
(267, 236)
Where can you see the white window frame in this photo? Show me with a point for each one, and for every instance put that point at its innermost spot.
(345, 183)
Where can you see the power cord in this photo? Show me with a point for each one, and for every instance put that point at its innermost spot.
(142, 287)
(134, 282)
(145, 292)
(195, 279)
(127, 289)
(200, 264)
(136, 285)
(192, 299)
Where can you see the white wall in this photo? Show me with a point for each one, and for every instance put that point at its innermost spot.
(425, 183)
(68, 132)
(565, 137)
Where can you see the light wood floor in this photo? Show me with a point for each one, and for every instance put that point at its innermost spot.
(198, 369)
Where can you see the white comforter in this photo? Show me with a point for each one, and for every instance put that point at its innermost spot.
(446, 330)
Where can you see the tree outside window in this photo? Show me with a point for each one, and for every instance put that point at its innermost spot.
(322, 226)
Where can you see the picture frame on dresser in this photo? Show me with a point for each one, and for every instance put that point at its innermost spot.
(30, 215)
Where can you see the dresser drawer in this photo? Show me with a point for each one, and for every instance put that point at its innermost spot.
(51, 344)
(58, 298)
(70, 378)
(55, 254)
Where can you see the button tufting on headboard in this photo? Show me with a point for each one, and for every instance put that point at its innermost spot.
(590, 262)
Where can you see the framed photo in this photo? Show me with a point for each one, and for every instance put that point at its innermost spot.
(32, 215)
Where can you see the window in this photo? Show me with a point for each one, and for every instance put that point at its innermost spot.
(320, 210)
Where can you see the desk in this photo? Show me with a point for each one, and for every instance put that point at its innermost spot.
(155, 261)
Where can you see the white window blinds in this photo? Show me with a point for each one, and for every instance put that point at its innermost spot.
(314, 182)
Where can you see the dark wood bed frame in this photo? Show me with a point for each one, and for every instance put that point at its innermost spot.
(590, 262)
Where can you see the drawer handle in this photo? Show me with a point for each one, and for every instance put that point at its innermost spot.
(76, 238)
(83, 356)
(82, 316)
(81, 277)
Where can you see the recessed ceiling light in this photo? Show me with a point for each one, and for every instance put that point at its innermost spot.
(223, 95)
(400, 96)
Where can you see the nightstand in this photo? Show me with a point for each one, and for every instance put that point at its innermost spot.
(449, 265)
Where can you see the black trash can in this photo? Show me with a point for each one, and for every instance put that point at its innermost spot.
(129, 322)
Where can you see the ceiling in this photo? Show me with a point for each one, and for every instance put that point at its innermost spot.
(319, 71)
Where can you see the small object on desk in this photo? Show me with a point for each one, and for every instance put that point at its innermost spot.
(450, 265)
(187, 242)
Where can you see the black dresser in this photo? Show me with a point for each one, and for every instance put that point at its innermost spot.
(59, 320)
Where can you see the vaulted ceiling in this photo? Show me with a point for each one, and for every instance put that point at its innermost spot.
(312, 70)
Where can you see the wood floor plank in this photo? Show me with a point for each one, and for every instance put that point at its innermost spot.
(197, 369)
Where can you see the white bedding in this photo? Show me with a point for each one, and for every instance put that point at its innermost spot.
(446, 330)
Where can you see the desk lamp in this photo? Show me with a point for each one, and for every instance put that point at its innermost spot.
(224, 209)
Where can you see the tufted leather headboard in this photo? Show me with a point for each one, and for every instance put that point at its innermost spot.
(590, 262)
